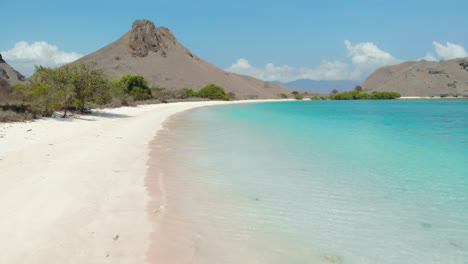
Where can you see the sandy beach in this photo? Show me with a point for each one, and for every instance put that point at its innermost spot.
(73, 190)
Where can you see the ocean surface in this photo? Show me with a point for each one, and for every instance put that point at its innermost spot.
(318, 182)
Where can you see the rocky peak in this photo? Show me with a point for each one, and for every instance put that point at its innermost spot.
(1, 59)
(145, 37)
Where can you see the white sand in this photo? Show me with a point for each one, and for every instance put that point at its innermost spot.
(73, 190)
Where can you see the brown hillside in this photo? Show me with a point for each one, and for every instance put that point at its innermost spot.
(156, 54)
(8, 77)
(4, 89)
(422, 78)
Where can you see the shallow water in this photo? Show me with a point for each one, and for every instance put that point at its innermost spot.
(318, 182)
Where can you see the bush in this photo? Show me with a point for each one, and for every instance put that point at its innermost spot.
(183, 93)
(135, 86)
(213, 91)
(283, 95)
(384, 95)
(65, 88)
(298, 97)
(232, 96)
(357, 95)
(11, 116)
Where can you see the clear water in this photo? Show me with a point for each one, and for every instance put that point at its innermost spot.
(320, 182)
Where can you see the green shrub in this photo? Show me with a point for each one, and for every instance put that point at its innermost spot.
(182, 94)
(64, 88)
(213, 91)
(384, 95)
(298, 97)
(135, 86)
(357, 95)
(283, 95)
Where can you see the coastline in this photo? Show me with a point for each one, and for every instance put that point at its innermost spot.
(74, 190)
(431, 98)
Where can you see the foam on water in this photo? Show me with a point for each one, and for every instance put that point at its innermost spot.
(319, 182)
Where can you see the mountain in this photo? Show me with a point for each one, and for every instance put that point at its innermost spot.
(156, 54)
(8, 77)
(5, 89)
(422, 78)
(321, 87)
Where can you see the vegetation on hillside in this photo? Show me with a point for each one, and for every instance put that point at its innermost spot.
(213, 91)
(79, 88)
(65, 88)
(133, 85)
(357, 95)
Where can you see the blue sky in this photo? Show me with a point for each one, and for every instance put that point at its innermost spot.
(271, 40)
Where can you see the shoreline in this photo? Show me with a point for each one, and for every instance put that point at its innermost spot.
(74, 190)
(431, 98)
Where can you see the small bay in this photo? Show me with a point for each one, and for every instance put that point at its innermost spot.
(320, 181)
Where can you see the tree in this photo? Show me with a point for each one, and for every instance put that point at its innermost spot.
(334, 91)
(70, 86)
(295, 93)
(298, 97)
(46, 91)
(135, 86)
(213, 91)
(89, 85)
(358, 88)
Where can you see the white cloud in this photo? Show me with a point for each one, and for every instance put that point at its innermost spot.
(429, 57)
(325, 71)
(24, 56)
(365, 57)
(449, 50)
(242, 66)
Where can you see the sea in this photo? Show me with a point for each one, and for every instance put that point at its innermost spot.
(316, 182)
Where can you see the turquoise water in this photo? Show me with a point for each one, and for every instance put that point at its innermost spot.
(321, 182)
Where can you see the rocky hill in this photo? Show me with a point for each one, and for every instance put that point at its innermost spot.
(8, 77)
(156, 54)
(422, 78)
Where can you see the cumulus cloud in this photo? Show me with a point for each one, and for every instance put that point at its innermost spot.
(24, 56)
(284, 73)
(242, 66)
(449, 50)
(429, 57)
(365, 57)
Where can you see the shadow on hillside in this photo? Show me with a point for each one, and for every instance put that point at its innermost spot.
(89, 117)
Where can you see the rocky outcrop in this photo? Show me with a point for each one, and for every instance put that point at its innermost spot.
(464, 64)
(144, 37)
(1, 59)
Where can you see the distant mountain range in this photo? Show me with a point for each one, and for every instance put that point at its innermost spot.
(422, 78)
(321, 87)
(156, 54)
